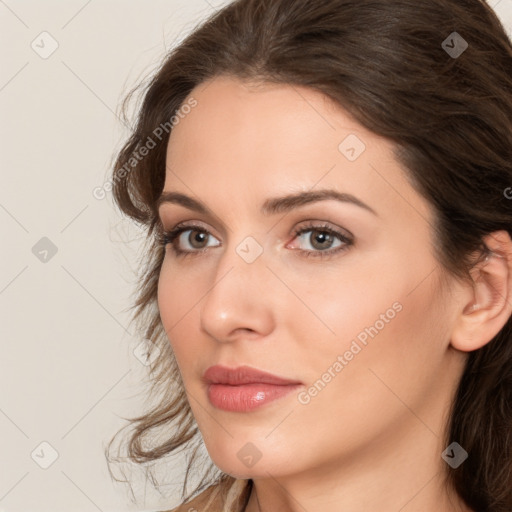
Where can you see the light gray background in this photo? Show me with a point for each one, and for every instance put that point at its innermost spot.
(68, 371)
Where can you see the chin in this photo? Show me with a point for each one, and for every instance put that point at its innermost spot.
(248, 461)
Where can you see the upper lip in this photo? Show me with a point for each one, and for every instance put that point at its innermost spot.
(243, 375)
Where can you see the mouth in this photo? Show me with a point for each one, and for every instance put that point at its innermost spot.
(244, 389)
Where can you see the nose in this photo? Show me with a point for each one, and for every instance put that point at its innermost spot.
(239, 303)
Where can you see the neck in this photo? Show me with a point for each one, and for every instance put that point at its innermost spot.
(406, 476)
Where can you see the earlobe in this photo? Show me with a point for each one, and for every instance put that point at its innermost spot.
(488, 304)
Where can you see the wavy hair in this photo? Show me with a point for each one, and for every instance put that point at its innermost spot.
(388, 64)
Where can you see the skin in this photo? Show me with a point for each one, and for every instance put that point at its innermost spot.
(371, 439)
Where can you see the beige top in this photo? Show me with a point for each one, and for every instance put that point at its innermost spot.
(210, 500)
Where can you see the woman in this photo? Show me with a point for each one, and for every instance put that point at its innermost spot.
(327, 191)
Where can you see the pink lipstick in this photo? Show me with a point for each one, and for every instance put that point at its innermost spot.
(243, 389)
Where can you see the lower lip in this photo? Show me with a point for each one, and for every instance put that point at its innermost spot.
(246, 397)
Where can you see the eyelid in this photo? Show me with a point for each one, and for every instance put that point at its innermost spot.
(312, 223)
(191, 222)
(187, 224)
(323, 224)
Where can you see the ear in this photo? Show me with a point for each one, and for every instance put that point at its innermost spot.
(487, 304)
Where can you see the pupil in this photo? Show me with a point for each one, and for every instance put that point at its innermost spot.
(199, 237)
(322, 238)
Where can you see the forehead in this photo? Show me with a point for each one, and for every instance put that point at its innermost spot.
(280, 138)
(281, 116)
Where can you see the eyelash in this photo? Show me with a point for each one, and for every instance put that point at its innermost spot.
(169, 237)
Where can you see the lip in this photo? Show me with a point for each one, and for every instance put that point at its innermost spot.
(243, 375)
(243, 389)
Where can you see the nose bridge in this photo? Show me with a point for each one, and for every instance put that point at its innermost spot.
(238, 297)
(243, 257)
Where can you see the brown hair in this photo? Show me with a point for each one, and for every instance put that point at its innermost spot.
(449, 117)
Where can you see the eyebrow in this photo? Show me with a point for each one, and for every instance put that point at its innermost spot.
(272, 206)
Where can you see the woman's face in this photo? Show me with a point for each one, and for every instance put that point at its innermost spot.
(351, 308)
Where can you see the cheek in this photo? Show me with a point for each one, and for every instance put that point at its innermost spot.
(386, 353)
(179, 290)
(176, 298)
(384, 309)
(339, 304)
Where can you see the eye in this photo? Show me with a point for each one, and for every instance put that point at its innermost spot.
(196, 238)
(321, 240)
(322, 243)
